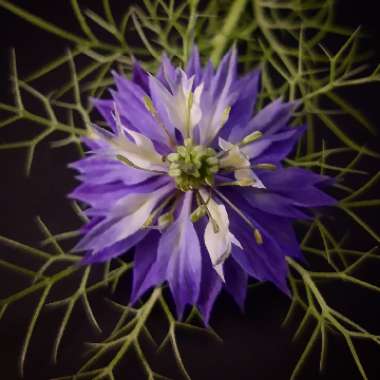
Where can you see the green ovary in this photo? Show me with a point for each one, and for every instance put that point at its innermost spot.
(192, 166)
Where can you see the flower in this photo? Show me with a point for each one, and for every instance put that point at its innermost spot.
(191, 179)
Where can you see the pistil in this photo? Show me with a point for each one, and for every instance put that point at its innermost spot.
(192, 166)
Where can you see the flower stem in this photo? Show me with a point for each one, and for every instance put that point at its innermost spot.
(229, 24)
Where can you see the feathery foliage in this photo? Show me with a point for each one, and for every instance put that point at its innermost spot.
(290, 41)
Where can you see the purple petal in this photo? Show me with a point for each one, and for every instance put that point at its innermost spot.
(226, 74)
(122, 217)
(134, 114)
(105, 108)
(264, 261)
(281, 230)
(207, 75)
(290, 179)
(210, 284)
(147, 272)
(159, 93)
(140, 77)
(271, 119)
(217, 98)
(96, 170)
(288, 183)
(179, 247)
(273, 148)
(167, 74)
(193, 67)
(99, 196)
(241, 111)
(310, 197)
(272, 203)
(115, 250)
(236, 281)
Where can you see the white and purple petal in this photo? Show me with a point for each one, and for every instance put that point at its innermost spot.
(180, 250)
(125, 180)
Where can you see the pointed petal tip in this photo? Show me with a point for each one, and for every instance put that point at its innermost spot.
(219, 270)
(205, 314)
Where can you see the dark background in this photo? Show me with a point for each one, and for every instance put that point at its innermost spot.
(255, 346)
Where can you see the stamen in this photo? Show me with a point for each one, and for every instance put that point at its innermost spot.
(212, 161)
(226, 114)
(165, 219)
(198, 213)
(157, 211)
(258, 236)
(188, 113)
(125, 160)
(203, 203)
(235, 208)
(265, 166)
(209, 181)
(200, 200)
(152, 110)
(242, 182)
(174, 172)
(149, 105)
(172, 157)
(251, 138)
(246, 140)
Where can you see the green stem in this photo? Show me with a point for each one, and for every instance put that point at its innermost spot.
(41, 120)
(47, 282)
(224, 36)
(129, 340)
(23, 247)
(307, 279)
(189, 35)
(139, 325)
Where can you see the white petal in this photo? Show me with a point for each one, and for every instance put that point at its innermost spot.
(218, 244)
(196, 112)
(244, 174)
(144, 151)
(140, 152)
(219, 269)
(235, 241)
(177, 105)
(235, 159)
(224, 145)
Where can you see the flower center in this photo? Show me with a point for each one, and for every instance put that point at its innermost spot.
(192, 166)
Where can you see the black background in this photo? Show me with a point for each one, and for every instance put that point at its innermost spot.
(255, 346)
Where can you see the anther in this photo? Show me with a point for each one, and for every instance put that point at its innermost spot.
(265, 166)
(172, 157)
(198, 213)
(165, 219)
(258, 236)
(149, 105)
(251, 137)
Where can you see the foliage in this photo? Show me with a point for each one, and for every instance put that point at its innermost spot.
(290, 41)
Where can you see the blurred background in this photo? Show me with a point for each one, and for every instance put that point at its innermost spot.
(255, 347)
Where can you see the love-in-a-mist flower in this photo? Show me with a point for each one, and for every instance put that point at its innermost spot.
(192, 178)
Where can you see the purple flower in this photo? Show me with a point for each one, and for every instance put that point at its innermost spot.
(191, 179)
